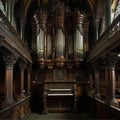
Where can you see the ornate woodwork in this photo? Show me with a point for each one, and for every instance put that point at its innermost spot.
(111, 34)
(61, 39)
(11, 40)
(58, 86)
(9, 63)
(22, 67)
(12, 51)
(57, 41)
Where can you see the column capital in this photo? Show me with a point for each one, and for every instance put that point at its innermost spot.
(96, 65)
(110, 60)
(29, 68)
(10, 60)
(22, 66)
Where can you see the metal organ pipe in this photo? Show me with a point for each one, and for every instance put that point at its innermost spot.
(60, 33)
(60, 36)
(78, 35)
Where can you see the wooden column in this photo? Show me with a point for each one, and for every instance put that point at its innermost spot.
(91, 81)
(22, 66)
(111, 60)
(91, 88)
(9, 64)
(28, 79)
(75, 98)
(45, 100)
(96, 74)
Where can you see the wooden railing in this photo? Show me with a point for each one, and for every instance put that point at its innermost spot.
(101, 110)
(18, 111)
(107, 41)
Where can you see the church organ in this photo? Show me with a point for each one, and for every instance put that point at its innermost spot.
(59, 35)
(64, 74)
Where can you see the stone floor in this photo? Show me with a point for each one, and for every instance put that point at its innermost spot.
(60, 116)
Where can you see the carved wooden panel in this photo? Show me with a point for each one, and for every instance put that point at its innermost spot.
(60, 74)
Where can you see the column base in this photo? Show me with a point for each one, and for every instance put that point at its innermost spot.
(7, 102)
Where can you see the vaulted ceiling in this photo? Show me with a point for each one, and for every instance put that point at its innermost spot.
(87, 5)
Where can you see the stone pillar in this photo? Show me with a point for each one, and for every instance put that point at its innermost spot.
(28, 79)
(9, 60)
(111, 60)
(108, 6)
(96, 74)
(9, 10)
(22, 66)
(97, 26)
(21, 28)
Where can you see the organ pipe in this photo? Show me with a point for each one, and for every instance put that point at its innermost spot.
(60, 33)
